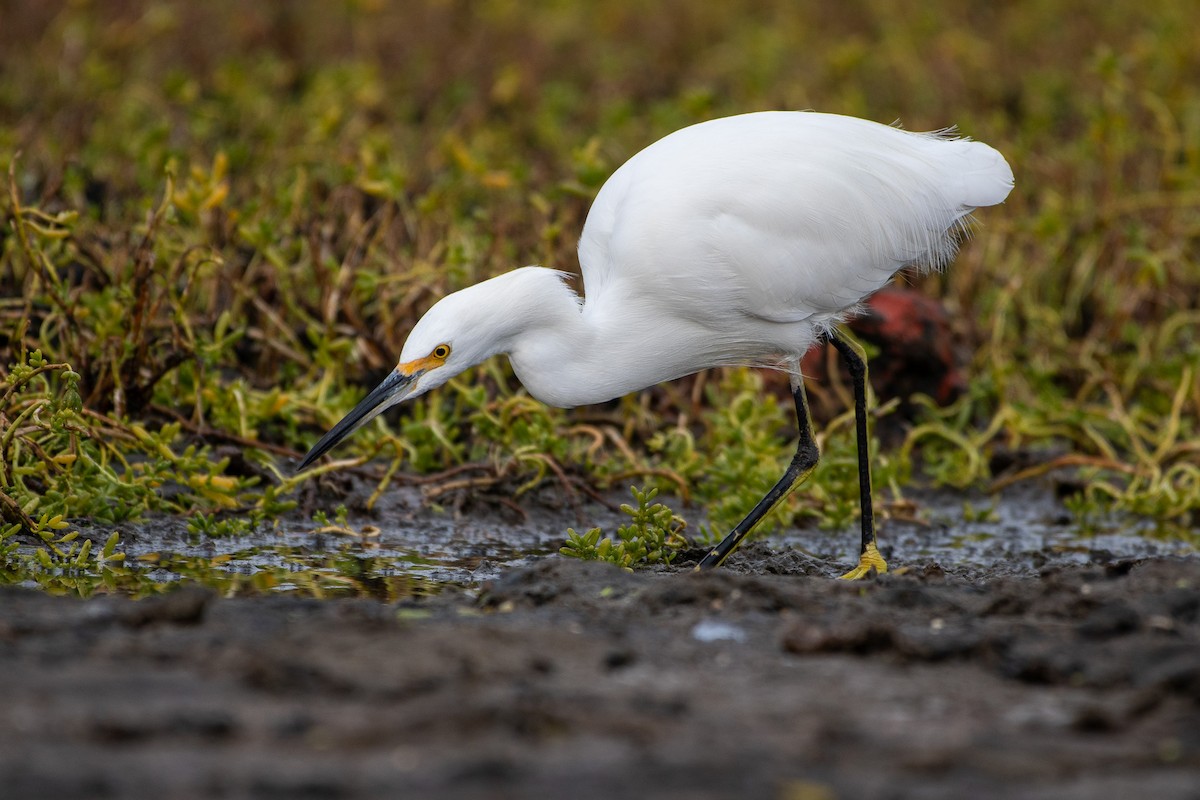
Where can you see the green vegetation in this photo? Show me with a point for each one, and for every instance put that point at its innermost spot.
(654, 535)
(220, 221)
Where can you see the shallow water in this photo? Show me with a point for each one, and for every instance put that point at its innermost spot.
(1020, 532)
(402, 549)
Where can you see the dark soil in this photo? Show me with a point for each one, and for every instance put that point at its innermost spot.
(574, 680)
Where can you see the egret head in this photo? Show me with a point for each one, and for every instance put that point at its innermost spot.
(459, 331)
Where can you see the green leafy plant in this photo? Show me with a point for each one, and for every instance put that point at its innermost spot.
(654, 535)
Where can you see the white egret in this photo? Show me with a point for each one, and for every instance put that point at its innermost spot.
(738, 241)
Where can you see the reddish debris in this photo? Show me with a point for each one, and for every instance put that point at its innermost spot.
(915, 350)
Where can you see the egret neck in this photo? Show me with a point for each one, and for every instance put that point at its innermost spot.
(568, 351)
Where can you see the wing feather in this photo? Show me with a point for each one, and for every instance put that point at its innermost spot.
(783, 216)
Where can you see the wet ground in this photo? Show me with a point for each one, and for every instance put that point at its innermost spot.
(1009, 655)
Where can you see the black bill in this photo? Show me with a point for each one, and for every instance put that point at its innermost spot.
(395, 387)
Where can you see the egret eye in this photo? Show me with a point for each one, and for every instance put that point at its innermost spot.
(442, 351)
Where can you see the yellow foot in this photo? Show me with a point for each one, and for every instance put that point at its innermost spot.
(869, 560)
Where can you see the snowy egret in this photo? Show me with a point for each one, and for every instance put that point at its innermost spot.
(737, 241)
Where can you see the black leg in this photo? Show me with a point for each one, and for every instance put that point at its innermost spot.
(803, 463)
(856, 362)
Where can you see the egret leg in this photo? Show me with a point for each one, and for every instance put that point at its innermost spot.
(856, 361)
(803, 463)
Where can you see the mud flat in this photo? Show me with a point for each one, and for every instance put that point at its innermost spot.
(1078, 678)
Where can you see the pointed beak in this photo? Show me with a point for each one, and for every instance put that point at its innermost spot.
(394, 388)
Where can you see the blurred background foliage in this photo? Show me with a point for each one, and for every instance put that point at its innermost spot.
(221, 219)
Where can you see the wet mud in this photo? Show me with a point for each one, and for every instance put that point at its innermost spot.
(1048, 666)
(402, 545)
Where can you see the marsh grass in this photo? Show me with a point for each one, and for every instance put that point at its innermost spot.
(220, 221)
